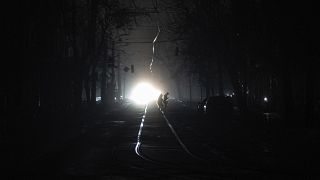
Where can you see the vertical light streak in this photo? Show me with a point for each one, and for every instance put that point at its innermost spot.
(153, 45)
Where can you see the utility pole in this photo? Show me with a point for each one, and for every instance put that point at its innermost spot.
(126, 69)
(119, 79)
(104, 82)
(112, 88)
(220, 76)
(201, 93)
(190, 88)
(124, 86)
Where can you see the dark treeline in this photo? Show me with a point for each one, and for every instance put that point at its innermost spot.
(265, 48)
(55, 52)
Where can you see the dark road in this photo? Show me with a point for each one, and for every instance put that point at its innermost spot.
(135, 142)
(123, 146)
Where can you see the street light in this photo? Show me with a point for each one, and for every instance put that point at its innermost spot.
(265, 99)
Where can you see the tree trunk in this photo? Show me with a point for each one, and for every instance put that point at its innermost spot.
(309, 93)
(87, 89)
(104, 83)
(287, 94)
(207, 91)
(177, 82)
(220, 76)
(190, 89)
(113, 78)
(93, 88)
(118, 80)
(91, 48)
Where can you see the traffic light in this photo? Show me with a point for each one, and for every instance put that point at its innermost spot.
(132, 68)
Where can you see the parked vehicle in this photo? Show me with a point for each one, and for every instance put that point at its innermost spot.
(218, 105)
(200, 106)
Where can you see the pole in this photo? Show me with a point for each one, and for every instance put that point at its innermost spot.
(201, 93)
(124, 85)
(112, 88)
(119, 79)
(190, 89)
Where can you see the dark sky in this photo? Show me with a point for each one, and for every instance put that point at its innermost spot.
(139, 51)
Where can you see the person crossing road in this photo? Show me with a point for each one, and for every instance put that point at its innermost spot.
(165, 101)
(160, 101)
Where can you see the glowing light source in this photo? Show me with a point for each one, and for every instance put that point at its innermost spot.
(265, 99)
(143, 93)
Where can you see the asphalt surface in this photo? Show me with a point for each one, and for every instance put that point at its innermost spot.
(143, 142)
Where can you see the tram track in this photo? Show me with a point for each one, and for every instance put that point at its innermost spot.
(161, 154)
(182, 145)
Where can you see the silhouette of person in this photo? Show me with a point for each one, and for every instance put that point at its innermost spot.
(160, 101)
(165, 100)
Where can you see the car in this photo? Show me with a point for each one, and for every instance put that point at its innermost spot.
(200, 105)
(218, 105)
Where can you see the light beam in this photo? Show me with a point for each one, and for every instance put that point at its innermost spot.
(153, 43)
(143, 93)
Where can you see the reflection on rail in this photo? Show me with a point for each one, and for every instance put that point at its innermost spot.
(184, 147)
(137, 148)
(138, 145)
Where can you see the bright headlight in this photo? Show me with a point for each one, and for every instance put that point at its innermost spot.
(143, 93)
